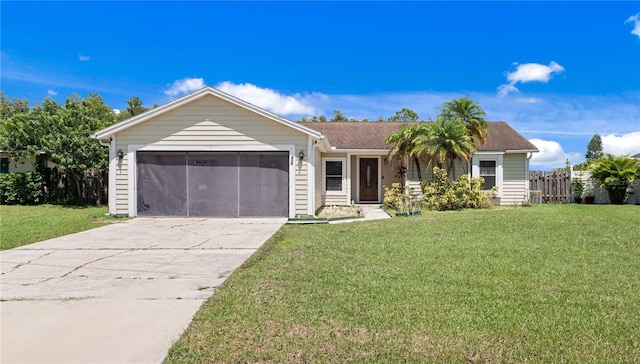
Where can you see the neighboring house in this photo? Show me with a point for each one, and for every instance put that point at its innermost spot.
(211, 154)
(24, 164)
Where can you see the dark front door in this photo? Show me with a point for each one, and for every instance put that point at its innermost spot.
(368, 179)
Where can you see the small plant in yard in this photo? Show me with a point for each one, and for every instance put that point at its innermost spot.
(396, 197)
(577, 186)
(615, 173)
(442, 194)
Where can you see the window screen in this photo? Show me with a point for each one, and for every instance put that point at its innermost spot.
(333, 173)
(488, 172)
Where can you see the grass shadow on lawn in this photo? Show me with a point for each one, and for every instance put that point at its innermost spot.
(550, 283)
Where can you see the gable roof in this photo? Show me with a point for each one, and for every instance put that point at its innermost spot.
(501, 136)
(149, 114)
(371, 135)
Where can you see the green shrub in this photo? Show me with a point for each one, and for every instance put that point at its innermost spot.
(442, 194)
(21, 188)
(396, 197)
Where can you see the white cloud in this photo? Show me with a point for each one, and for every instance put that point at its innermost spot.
(529, 72)
(503, 90)
(51, 93)
(636, 24)
(82, 58)
(184, 86)
(270, 99)
(534, 72)
(552, 155)
(624, 144)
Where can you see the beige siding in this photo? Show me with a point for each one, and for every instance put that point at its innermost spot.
(426, 171)
(210, 122)
(301, 183)
(317, 158)
(353, 174)
(334, 199)
(122, 196)
(513, 179)
(388, 173)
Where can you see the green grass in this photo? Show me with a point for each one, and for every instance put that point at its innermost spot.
(550, 283)
(22, 225)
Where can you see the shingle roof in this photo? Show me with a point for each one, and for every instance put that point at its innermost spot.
(371, 135)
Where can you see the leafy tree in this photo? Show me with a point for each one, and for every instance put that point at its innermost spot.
(404, 115)
(314, 119)
(63, 132)
(445, 141)
(69, 142)
(338, 116)
(134, 107)
(470, 113)
(594, 148)
(403, 144)
(8, 108)
(22, 133)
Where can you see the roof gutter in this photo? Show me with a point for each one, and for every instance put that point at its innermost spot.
(522, 151)
(359, 151)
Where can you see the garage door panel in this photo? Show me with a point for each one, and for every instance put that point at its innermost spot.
(221, 184)
(161, 189)
(264, 184)
(213, 184)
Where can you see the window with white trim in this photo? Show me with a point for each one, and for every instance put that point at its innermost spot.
(333, 175)
(488, 171)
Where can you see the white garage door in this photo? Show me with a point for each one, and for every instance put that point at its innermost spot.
(223, 184)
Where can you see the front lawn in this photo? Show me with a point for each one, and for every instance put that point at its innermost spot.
(22, 225)
(550, 283)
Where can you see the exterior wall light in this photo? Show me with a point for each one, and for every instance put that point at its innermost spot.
(301, 155)
(120, 155)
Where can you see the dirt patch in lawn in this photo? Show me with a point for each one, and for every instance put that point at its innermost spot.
(333, 212)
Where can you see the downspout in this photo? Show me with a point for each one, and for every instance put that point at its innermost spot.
(313, 207)
(310, 177)
(526, 178)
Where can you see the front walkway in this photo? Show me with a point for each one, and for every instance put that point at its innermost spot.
(370, 212)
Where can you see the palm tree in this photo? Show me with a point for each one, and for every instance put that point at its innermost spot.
(445, 142)
(471, 115)
(614, 174)
(402, 144)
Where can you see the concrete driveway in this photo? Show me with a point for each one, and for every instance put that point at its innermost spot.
(122, 293)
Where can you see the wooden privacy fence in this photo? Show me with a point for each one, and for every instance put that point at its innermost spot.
(554, 187)
(60, 188)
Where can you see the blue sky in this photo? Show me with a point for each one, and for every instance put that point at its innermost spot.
(558, 72)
